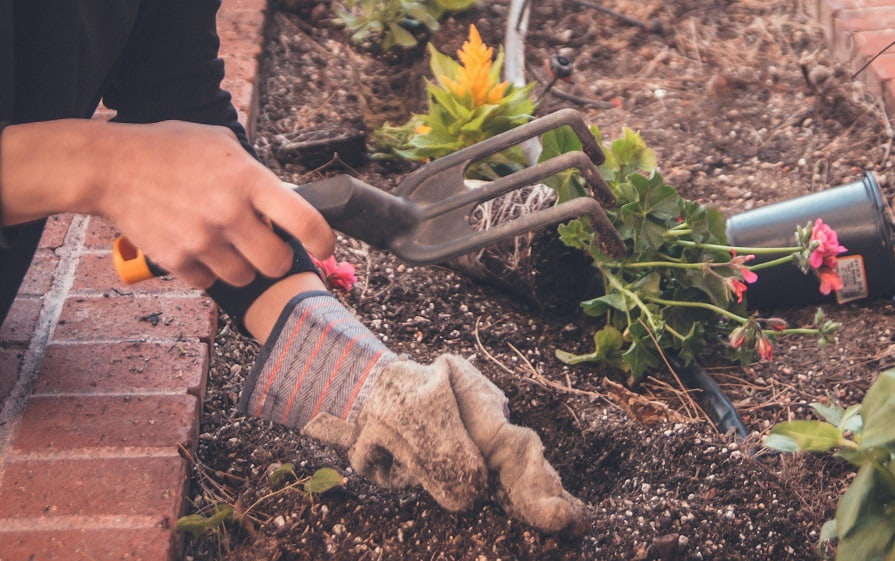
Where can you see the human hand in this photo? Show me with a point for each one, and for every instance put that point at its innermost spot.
(188, 195)
(198, 204)
(445, 426)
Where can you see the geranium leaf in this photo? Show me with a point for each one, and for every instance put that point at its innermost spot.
(323, 480)
(871, 539)
(864, 498)
(831, 413)
(599, 305)
(813, 436)
(878, 412)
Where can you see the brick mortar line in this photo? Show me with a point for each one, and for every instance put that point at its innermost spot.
(80, 522)
(135, 396)
(170, 341)
(94, 453)
(50, 311)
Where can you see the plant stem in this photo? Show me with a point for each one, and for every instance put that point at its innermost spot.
(793, 331)
(617, 284)
(772, 263)
(703, 305)
(739, 249)
(672, 264)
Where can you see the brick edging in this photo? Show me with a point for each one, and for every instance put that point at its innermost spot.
(103, 383)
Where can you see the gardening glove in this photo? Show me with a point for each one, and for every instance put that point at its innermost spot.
(442, 426)
(399, 426)
(528, 486)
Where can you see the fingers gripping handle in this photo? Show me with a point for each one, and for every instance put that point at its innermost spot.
(130, 263)
(348, 205)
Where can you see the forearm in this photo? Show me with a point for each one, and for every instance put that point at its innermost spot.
(49, 167)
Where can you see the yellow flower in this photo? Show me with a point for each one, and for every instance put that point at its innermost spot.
(423, 129)
(474, 78)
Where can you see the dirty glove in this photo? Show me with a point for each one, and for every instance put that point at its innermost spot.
(528, 486)
(443, 426)
(321, 363)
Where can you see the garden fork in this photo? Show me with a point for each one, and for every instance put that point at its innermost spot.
(428, 219)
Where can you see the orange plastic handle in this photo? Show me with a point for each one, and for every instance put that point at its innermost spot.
(130, 263)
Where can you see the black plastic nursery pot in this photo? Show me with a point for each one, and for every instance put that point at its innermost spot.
(864, 224)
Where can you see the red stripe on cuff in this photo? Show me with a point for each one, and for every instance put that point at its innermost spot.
(281, 358)
(360, 384)
(307, 368)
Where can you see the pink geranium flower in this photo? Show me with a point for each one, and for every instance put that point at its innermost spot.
(738, 264)
(765, 348)
(340, 274)
(736, 287)
(828, 247)
(829, 280)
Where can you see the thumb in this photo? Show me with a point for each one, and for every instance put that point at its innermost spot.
(332, 430)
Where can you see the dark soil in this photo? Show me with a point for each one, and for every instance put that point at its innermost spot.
(744, 107)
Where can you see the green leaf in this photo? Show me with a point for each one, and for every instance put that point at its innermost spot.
(323, 480)
(455, 5)
(808, 436)
(576, 233)
(830, 413)
(852, 421)
(858, 500)
(641, 353)
(871, 540)
(600, 305)
(399, 36)
(278, 475)
(442, 65)
(607, 346)
(196, 524)
(878, 412)
(693, 343)
(827, 532)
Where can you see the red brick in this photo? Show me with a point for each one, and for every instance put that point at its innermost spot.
(20, 321)
(245, 100)
(40, 275)
(94, 486)
(55, 231)
(100, 233)
(244, 24)
(10, 362)
(241, 68)
(867, 19)
(858, 47)
(97, 368)
(229, 6)
(889, 96)
(51, 424)
(95, 274)
(827, 10)
(113, 544)
(136, 319)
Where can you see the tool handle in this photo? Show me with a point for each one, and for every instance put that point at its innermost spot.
(349, 205)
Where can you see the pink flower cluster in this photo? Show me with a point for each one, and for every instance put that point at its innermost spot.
(736, 287)
(825, 242)
(340, 274)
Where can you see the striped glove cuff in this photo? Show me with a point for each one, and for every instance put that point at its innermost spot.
(318, 359)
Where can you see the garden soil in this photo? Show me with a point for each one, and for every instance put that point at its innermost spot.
(744, 106)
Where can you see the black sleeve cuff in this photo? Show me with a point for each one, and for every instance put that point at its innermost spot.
(236, 300)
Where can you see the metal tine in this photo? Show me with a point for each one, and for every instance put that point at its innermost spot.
(413, 251)
(449, 171)
(525, 177)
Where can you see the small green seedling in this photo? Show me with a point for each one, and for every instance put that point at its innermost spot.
(865, 436)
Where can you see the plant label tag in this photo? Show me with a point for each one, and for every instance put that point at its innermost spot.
(854, 279)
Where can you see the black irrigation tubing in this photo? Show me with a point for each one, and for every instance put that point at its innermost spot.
(710, 396)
